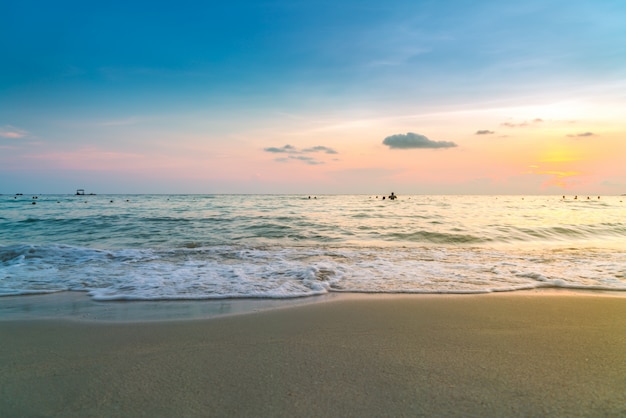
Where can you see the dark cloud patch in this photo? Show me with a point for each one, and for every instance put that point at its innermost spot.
(284, 149)
(320, 148)
(484, 132)
(296, 154)
(415, 141)
(290, 149)
(581, 135)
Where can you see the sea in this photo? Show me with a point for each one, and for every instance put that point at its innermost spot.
(192, 247)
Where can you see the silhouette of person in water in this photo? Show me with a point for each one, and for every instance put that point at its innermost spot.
(392, 196)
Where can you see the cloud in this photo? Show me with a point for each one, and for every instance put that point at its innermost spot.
(295, 153)
(484, 132)
(290, 149)
(412, 140)
(286, 148)
(308, 160)
(320, 148)
(522, 124)
(11, 132)
(90, 158)
(303, 158)
(555, 178)
(584, 134)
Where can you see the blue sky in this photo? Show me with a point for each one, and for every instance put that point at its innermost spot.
(188, 96)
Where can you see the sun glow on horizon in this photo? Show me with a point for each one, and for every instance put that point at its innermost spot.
(557, 153)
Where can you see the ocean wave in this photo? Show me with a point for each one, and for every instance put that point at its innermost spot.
(205, 247)
(437, 237)
(288, 272)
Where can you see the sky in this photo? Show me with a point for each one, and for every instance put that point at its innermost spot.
(313, 97)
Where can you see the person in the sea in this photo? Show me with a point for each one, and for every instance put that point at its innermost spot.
(392, 196)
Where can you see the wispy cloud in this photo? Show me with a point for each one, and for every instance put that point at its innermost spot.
(581, 135)
(308, 160)
(617, 183)
(412, 140)
(303, 158)
(89, 158)
(555, 177)
(11, 132)
(522, 124)
(562, 179)
(296, 154)
(290, 149)
(320, 148)
(484, 132)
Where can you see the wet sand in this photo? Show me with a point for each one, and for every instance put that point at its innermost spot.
(522, 354)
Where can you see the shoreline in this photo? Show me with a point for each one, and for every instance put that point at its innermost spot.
(531, 354)
(78, 306)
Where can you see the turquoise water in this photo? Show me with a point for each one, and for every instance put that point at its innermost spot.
(151, 247)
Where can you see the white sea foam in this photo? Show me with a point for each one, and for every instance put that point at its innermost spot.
(233, 272)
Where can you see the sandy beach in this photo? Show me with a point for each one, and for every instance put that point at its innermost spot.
(523, 354)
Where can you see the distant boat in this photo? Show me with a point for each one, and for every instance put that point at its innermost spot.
(81, 192)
